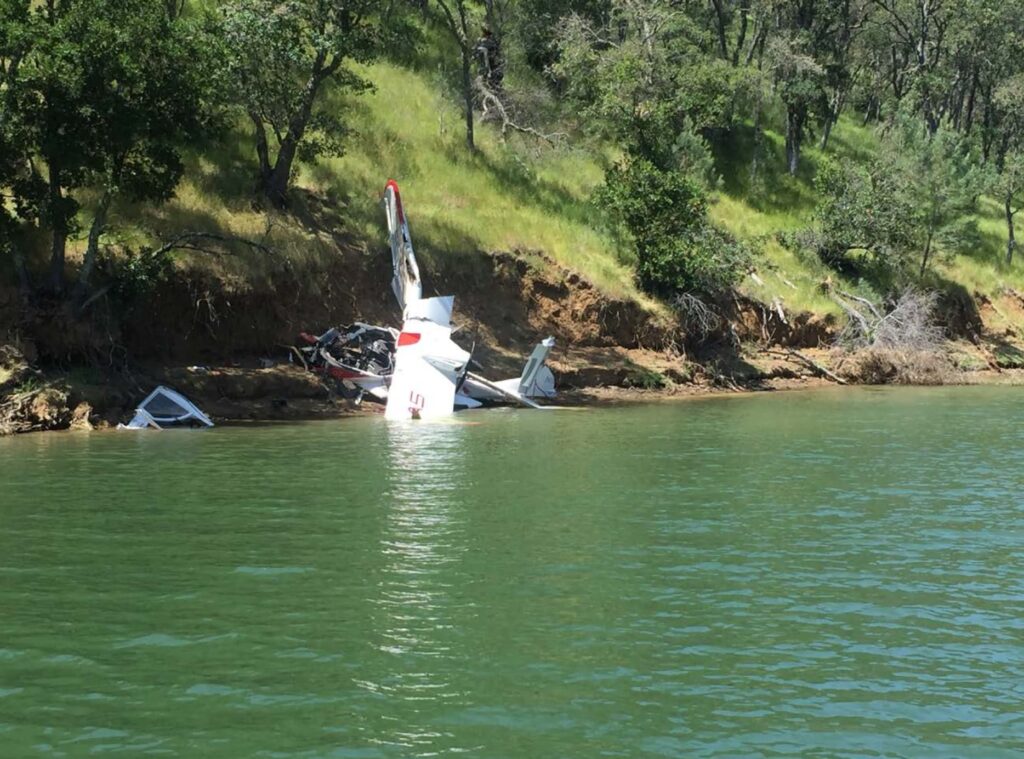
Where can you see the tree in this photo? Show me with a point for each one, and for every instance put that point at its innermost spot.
(162, 96)
(665, 213)
(1009, 189)
(862, 219)
(640, 78)
(801, 88)
(457, 22)
(282, 57)
(917, 36)
(15, 41)
(534, 25)
(917, 197)
(809, 57)
(945, 180)
(1009, 164)
(104, 95)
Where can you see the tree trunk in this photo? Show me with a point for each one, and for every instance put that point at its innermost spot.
(21, 269)
(969, 118)
(758, 37)
(1011, 242)
(58, 244)
(720, 22)
(794, 135)
(467, 94)
(99, 225)
(927, 253)
(277, 180)
(826, 131)
(262, 148)
(835, 109)
(174, 8)
(741, 36)
(491, 16)
(870, 110)
(755, 158)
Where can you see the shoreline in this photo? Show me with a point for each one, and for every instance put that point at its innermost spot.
(294, 396)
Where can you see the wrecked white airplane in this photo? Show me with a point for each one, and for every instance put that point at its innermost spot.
(165, 408)
(432, 376)
(419, 372)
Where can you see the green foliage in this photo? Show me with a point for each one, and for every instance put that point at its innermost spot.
(652, 85)
(863, 211)
(133, 275)
(886, 220)
(281, 58)
(100, 94)
(643, 377)
(275, 53)
(533, 25)
(944, 177)
(665, 213)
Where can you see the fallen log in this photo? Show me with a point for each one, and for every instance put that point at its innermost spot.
(809, 362)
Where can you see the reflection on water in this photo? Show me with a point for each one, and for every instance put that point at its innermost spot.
(821, 574)
(421, 543)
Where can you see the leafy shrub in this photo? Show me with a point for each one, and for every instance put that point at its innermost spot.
(678, 249)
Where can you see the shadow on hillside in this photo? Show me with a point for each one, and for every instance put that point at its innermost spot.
(725, 365)
(1007, 355)
(447, 255)
(394, 156)
(988, 247)
(772, 189)
(956, 309)
(515, 180)
(231, 171)
(172, 219)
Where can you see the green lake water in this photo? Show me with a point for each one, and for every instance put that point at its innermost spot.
(812, 574)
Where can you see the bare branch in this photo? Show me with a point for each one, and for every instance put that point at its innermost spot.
(908, 326)
(186, 241)
(696, 314)
(792, 354)
(862, 301)
(489, 100)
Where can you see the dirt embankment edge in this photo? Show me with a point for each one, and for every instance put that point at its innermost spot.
(225, 346)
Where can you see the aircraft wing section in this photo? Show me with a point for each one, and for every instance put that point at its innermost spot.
(427, 363)
(406, 279)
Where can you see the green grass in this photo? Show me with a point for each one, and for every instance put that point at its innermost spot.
(516, 195)
(756, 210)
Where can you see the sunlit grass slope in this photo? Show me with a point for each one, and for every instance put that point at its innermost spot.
(520, 194)
(755, 207)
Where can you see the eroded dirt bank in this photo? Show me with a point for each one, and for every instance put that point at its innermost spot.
(224, 344)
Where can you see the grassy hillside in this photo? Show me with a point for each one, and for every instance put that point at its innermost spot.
(516, 195)
(757, 210)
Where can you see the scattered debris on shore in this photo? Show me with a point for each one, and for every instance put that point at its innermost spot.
(28, 403)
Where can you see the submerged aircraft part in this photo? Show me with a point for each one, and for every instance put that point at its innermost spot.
(165, 408)
(419, 372)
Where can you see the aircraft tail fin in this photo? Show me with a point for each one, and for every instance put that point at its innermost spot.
(533, 382)
(406, 280)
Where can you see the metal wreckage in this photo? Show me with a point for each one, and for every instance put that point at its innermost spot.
(419, 372)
